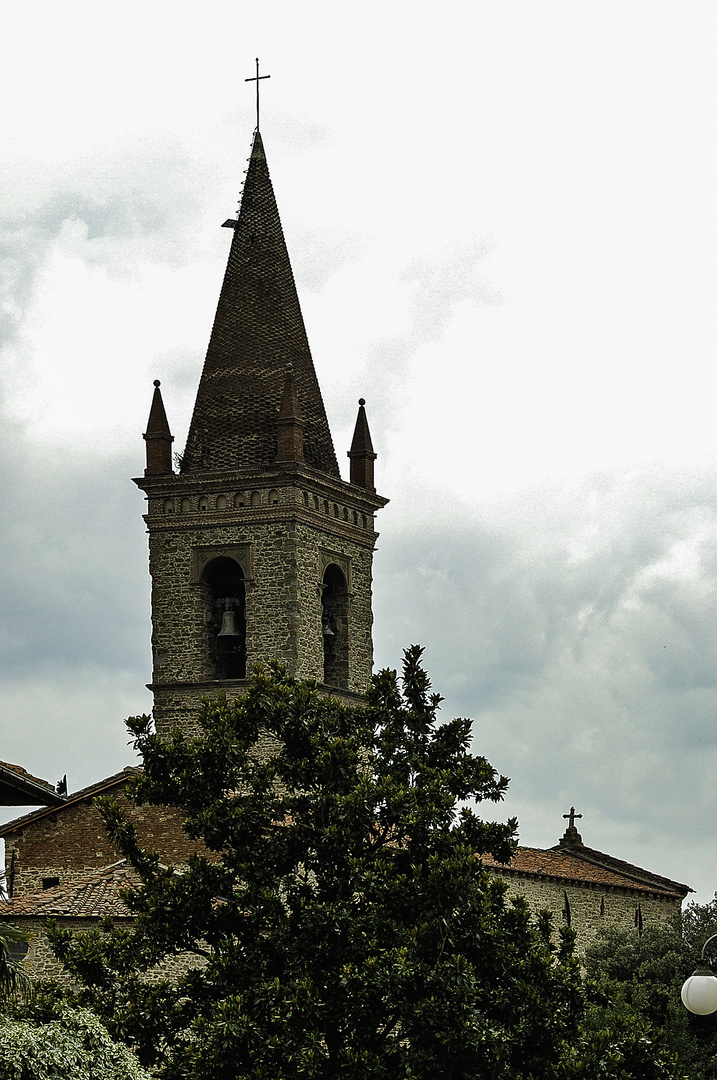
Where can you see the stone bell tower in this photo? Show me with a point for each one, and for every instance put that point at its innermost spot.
(258, 550)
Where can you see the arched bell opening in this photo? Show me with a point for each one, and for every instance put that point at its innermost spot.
(335, 627)
(225, 598)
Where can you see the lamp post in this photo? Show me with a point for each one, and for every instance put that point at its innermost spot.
(699, 992)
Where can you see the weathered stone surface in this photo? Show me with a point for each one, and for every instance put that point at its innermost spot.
(284, 528)
(70, 844)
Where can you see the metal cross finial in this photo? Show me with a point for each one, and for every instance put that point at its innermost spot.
(256, 78)
(572, 815)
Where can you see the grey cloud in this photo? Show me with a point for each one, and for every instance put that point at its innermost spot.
(583, 647)
(437, 284)
(74, 610)
(440, 282)
(320, 254)
(74, 549)
(128, 213)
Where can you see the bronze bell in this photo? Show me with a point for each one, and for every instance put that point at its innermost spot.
(229, 626)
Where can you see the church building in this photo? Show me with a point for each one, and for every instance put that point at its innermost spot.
(258, 550)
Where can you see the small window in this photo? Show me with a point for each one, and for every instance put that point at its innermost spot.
(221, 502)
(50, 882)
(17, 950)
(186, 506)
(273, 497)
(203, 502)
(239, 499)
(256, 498)
(169, 506)
(306, 498)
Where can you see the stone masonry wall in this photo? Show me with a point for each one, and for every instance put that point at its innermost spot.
(73, 844)
(41, 963)
(283, 535)
(592, 907)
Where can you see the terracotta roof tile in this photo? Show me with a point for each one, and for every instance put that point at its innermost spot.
(95, 896)
(570, 867)
(619, 866)
(18, 769)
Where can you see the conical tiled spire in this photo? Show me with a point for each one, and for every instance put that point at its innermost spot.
(258, 330)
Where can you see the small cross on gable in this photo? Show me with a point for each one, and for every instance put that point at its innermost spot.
(571, 816)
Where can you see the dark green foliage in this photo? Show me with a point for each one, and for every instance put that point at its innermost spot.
(639, 981)
(340, 924)
(13, 978)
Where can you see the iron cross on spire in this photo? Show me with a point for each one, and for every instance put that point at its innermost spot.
(257, 78)
(572, 815)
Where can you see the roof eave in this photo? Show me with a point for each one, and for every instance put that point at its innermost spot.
(12, 784)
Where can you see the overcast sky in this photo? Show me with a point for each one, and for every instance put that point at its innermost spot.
(503, 226)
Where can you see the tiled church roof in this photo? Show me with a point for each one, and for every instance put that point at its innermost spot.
(258, 330)
(589, 867)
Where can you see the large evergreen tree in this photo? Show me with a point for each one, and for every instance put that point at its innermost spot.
(340, 924)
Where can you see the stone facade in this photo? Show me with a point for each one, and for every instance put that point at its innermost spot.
(590, 907)
(77, 907)
(588, 889)
(283, 528)
(65, 846)
(40, 961)
(259, 551)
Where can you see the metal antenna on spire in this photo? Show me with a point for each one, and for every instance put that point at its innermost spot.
(256, 78)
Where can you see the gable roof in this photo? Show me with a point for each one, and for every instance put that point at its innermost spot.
(571, 862)
(572, 845)
(102, 787)
(18, 787)
(258, 331)
(92, 897)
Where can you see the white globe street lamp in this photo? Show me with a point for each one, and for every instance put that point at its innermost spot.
(699, 992)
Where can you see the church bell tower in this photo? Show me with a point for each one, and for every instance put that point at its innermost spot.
(258, 550)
